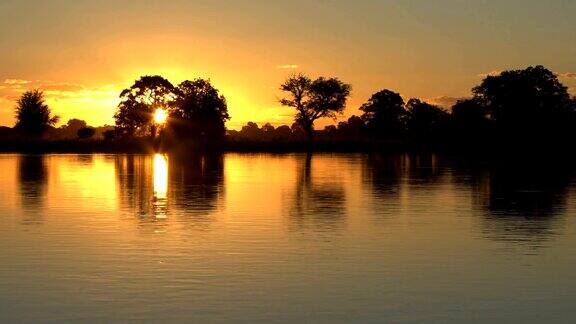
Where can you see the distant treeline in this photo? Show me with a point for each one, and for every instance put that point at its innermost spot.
(526, 108)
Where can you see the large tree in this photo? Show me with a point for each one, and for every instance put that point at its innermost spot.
(139, 102)
(529, 102)
(470, 120)
(199, 111)
(314, 99)
(425, 121)
(384, 114)
(33, 115)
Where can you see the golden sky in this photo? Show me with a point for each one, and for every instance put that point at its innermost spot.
(83, 53)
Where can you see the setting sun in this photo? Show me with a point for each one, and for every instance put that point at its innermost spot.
(160, 116)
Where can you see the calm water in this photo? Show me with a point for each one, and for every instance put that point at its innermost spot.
(284, 238)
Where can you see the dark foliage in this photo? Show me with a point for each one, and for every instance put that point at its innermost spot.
(86, 132)
(385, 115)
(138, 103)
(199, 112)
(527, 105)
(33, 116)
(425, 122)
(314, 99)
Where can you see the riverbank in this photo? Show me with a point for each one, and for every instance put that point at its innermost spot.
(146, 146)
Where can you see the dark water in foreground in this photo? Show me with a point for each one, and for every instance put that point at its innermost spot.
(285, 238)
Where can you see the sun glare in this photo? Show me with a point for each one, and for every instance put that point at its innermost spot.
(160, 116)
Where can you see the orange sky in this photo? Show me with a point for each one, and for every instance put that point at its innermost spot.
(84, 53)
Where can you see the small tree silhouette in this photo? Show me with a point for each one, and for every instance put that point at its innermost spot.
(314, 99)
(86, 132)
(33, 116)
(384, 114)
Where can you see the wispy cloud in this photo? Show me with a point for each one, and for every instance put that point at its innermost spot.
(69, 100)
(11, 89)
(492, 73)
(568, 75)
(16, 82)
(287, 66)
(444, 101)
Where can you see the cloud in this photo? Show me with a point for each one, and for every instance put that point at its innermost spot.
(287, 66)
(444, 101)
(13, 82)
(11, 89)
(493, 73)
(94, 104)
(568, 75)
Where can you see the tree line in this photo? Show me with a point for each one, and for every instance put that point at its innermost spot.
(526, 106)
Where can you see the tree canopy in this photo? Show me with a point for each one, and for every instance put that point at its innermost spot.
(425, 121)
(314, 99)
(199, 110)
(33, 116)
(137, 104)
(384, 114)
(524, 101)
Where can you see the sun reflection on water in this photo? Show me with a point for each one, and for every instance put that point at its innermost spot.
(160, 185)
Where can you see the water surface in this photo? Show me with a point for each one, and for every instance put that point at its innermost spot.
(284, 239)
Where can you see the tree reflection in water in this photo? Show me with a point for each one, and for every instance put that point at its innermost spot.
(524, 201)
(316, 205)
(33, 183)
(159, 187)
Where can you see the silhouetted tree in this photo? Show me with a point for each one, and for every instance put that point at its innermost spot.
(384, 114)
(86, 132)
(529, 103)
(33, 116)
(353, 128)
(138, 103)
(251, 131)
(75, 124)
(282, 133)
(200, 111)
(268, 128)
(109, 135)
(470, 121)
(425, 121)
(70, 130)
(314, 99)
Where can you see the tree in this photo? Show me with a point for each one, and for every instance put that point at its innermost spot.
(251, 131)
(470, 121)
(86, 132)
(33, 116)
(353, 128)
(70, 130)
(138, 103)
(109, 135)
(384, 114)
(425, 121)
(314, 99)
(199, 111)
(526, 103)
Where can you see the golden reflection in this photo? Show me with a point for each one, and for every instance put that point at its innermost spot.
(160, 185)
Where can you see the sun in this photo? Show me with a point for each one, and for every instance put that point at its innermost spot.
(160, 116)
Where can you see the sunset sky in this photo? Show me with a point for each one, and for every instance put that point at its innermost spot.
(82, 53)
